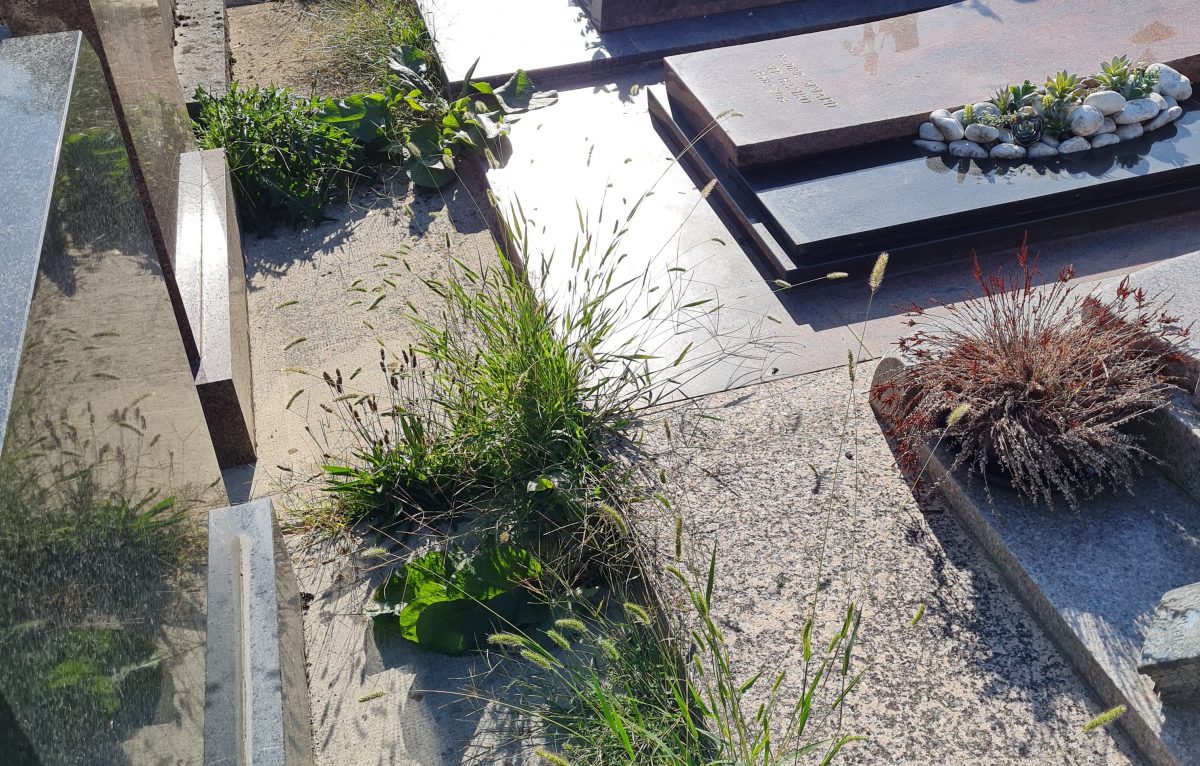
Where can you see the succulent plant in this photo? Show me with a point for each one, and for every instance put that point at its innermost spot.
(992, 120)
(1063, 87)
(1027, 129)
(1056, 120)
(1012, 98)
(1130, 80)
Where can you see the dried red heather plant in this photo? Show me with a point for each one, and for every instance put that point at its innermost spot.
(1042, 382)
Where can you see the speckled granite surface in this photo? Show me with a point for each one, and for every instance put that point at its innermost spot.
(975, 683)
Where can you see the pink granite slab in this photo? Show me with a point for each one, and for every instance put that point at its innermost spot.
(840, 88)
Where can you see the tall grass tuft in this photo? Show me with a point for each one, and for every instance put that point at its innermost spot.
(357, 38)
(616, 687)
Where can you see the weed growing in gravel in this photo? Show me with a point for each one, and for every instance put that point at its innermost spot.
(284, 160)
(613, 685)
(358, 36)
(1050, 379)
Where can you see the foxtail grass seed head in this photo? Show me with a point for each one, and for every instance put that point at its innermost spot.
(850, 363)
(636, 613)
(507, 640)
(836, 275)
(554, 759)
(559, 639)
(918, 615)
(535, 658)
(612, 515)
(957, 414)
(1105, 718)
(571, 625)
(783, 284)
(708, 189)
(678, 538)
(877, 273)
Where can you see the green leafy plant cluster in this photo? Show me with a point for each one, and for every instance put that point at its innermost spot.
(412, 123)
(1009, 100)
(287, 154)
(449, 601)
(1051, 104)
(1129, 79)
(285, 160)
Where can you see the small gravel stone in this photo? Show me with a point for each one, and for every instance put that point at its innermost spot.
(938, 113)
(1105, 139)
(967, 150)
(938, 147)
(1086, 120)
(1051, 141)
(1006, 136)
(1105, 101)
(1159, 99)
(929, 132)
(951, 130)
(1170, 101)
(1108, 127)
(960, 115)
(1073, 145)
(1164, 117)
(1130, 131)
(1008, 152)
(1137, 110)
(1171, 82)
(981, 134)
(1040, 151)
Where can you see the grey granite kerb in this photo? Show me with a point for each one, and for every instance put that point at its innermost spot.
(35, 89)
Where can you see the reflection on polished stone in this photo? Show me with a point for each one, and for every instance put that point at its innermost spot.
(134, 39)
(106, 467)
(841, 88)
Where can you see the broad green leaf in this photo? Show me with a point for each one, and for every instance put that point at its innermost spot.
(520, 95)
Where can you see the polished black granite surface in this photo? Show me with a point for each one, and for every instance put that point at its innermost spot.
(106, 467)
(893, 195)
(806, 216)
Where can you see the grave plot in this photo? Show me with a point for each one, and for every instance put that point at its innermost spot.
(813, 133)
(620, 14)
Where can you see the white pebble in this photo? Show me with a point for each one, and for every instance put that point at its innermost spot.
(967, 150)
(1166, 116)
(1073, 145)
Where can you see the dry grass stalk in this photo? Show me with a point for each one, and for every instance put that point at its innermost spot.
(1050, 379)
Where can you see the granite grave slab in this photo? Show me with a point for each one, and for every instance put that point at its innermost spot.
(134, 40)
(840, 88)
(106, 466)
(846, 207)
(620, 14)
(556, 42)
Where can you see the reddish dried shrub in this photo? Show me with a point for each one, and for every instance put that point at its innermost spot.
(1049, 379)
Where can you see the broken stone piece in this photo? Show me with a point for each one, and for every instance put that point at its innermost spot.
(1171, 651)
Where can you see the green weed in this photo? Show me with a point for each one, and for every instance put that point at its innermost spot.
(285, 161)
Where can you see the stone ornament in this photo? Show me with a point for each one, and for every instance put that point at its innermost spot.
(1066, 116)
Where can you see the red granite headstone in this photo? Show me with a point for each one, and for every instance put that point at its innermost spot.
(841, 88)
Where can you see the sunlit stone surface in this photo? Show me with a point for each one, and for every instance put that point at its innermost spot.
(106, 465)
